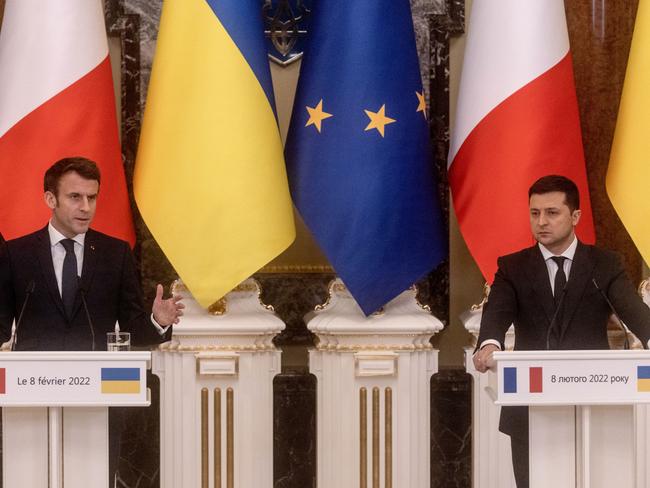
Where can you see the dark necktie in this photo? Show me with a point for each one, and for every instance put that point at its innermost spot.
(70, 278)
(560, 278)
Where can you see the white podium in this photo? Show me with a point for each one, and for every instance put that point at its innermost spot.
(55, 415)
(373, 391)
(584, 428)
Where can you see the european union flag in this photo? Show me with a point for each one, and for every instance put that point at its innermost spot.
(357, 153)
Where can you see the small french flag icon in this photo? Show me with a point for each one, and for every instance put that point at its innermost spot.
(535, 380)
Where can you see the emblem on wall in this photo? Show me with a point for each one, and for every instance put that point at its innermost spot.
(285, 28)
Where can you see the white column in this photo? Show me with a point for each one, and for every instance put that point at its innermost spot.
(216, 394)
(491, 456)
(373, 391)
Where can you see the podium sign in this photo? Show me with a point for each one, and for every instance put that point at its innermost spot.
(575, 377)
(79, 379)
(45, 445)
(584, 413)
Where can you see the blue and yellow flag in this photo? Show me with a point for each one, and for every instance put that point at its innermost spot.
(643, 378)
(210, 180)
(120, 380)
(358, 156)
(628, 174)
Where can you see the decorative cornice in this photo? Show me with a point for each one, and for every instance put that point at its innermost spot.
(182, 348)
(373, 347)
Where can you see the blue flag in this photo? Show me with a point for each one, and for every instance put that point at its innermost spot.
(358, 156)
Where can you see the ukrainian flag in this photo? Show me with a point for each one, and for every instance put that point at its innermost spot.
(210, 180)
(643, 378)
(628, 175)
(120, 380)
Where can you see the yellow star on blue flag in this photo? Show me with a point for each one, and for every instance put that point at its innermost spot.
(317, 115)
(378, 120)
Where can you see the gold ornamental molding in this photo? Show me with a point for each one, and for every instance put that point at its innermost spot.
(338, 287)
(363, 438)
(486, 293)
(333, 287)
(423, 306)
(230, 438)
(388, 437)
(175, 347)
(297, 268)
(373, 347)
(375, 437)
(205, 468)
(220, 307)
(217, 437)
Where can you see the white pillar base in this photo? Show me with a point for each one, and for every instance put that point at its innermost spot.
(373, 389)
(216, 394)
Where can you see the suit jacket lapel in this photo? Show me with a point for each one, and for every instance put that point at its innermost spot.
(579, 278)
(44, 253)
(538, 275)
(88, 270)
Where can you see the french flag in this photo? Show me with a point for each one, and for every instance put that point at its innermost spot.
(516, 120)
(57, 100)
(535, 380)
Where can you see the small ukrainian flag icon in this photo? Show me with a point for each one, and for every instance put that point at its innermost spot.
(643, 378)
(120, 380)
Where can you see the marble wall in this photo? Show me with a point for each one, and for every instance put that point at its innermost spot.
(600, 33)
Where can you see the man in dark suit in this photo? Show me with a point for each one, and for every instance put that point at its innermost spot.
(53, 270)
(551, 292)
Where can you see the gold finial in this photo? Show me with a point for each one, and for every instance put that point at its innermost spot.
(486, 294)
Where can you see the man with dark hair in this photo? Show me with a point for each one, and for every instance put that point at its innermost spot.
(66, 263)
(85, 168)
(558, 277)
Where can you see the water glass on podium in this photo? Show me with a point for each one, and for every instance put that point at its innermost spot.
(118, 341)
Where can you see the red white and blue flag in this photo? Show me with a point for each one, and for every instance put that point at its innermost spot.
(516, 120)
(57, 100)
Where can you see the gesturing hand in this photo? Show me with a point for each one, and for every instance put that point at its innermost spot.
(166, 312)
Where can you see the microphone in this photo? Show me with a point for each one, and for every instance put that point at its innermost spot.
(82, 292)
(626, 343)
(553, 322)
(31, 286)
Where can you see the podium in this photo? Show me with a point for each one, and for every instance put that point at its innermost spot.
(55, 414)
(584, 428)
